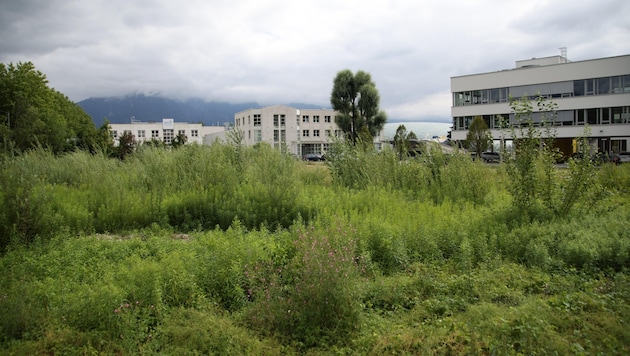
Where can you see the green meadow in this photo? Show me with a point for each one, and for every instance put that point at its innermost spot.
(234, 250)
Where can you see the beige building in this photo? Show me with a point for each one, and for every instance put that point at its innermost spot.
(299, 131)
(165, 131)
(591, 92)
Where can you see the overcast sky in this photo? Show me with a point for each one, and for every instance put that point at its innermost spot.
(275, 51)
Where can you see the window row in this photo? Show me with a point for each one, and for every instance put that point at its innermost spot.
(305, 133)
(279, 120)
(582, 87)
(168, 134)
(472, 97)
(601, 86)
(598, 116)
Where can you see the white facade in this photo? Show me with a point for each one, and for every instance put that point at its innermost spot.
(592, 92)
(165, 131)
(299, 131)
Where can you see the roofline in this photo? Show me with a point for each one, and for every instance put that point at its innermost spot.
(548, 65)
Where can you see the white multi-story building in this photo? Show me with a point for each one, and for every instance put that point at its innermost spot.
(165, 130)
(591, 92)
(298, 131)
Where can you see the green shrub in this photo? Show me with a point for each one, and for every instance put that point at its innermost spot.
(311, 299)
(209, 332)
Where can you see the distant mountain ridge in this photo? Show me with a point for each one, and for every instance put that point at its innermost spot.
(120, 110)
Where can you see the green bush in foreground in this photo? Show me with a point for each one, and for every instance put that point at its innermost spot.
(312, 297)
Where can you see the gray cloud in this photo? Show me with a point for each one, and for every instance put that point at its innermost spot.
(278, 51)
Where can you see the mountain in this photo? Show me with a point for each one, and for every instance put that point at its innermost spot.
(120, 110)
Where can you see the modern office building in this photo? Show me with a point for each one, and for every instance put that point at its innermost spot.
(165, 130)
(593, 93)
(299, 131)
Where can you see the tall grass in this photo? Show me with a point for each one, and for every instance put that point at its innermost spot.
(255, 252)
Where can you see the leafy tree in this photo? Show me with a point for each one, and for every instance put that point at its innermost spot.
(34, 115)
(402, 141)
(478, 136)
(179, 140)
(103, 140)
(356, 99)
(126, 145)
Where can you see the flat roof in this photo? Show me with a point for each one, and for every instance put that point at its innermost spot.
(539, 66)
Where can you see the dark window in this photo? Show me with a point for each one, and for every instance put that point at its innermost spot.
(578, 88)
(603, 85)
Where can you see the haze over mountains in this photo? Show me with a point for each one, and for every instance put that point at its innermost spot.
(120, 110)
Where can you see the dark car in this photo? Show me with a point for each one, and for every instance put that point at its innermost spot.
(624, 157)
(599, 158)
(312, 157)
(491, 157)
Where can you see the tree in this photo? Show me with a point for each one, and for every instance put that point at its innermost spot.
(126, 145)
(402, 141)
(179, 140)
(478, 136)
(355, 98)
(34, 115)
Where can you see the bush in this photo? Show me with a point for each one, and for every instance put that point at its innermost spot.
(311, 299)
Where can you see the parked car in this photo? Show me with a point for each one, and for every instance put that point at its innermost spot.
(600, 157)
(624, 157)
(490, 157)
(313, 157)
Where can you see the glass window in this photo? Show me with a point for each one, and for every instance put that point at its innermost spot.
(276, 120)
(155, 133)
(459, 99)
(579, 117)
(315, 133)
(605, 116)
(578, 88)
(626, 83)
(495, 97)
(590, 86)
(140, 133)
(276, 135)
(617, 117)
(327, 118)
(257, 136)
(591, 116)
(305, 118)
(617, 84)
(282, 120)
(257, 120)
(304, 133)
(603, 85)
(316, 118)
(476, 97)
(504, 97)
(283, 135)
(194, 133)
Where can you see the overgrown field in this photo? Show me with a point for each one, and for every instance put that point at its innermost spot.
(226, 249)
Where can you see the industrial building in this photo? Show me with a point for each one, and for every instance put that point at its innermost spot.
(590, 93)
(166, 131)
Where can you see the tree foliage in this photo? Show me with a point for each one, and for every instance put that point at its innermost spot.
(402, 141)
(34, 115)
(478, 136)
(356, 99)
